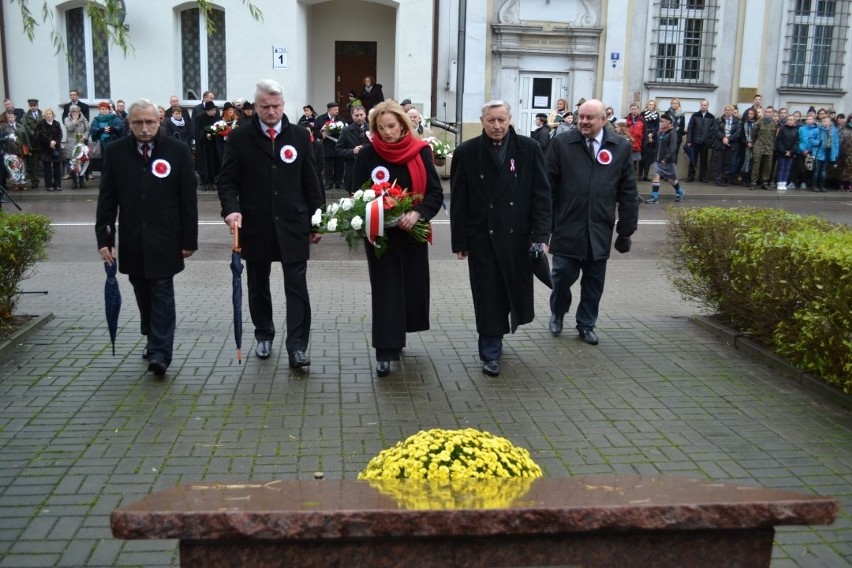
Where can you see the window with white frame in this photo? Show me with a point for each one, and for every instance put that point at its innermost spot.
(683, 41)
(88, 62)
(203, 55)
(816, 44)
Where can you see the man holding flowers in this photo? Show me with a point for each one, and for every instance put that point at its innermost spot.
(399, 276)
(268, 187)
(499, 206)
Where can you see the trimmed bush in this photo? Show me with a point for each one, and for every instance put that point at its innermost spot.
(783, 279)
(23, 239)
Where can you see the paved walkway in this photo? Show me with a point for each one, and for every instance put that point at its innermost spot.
(83, 432)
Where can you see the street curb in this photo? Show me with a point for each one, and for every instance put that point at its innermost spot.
(31, 326)
(759, 353)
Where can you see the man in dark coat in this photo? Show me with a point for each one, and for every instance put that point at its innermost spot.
(349, 144)
(74, 97)
(332, 163)
(699, 137)
(542, 132)
(499, 207)
(149, 183)
(590, 175)
(268, 187)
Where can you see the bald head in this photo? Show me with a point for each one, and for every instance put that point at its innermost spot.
(591, 115)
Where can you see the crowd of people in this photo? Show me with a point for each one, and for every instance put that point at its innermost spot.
(761, 148)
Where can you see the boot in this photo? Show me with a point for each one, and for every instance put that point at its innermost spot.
(74, 179)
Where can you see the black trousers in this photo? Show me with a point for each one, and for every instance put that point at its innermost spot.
(156, 300)
(296, 296)
(565, 272)
(333, 171)
(701, 151)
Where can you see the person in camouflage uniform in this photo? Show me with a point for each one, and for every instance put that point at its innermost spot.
(30, 121)
(763, 135)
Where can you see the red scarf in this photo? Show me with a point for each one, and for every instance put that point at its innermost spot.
(405, 151)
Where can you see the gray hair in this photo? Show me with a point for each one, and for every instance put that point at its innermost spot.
(268, 87)
(496, 103)
(141, 104)
(73, 108)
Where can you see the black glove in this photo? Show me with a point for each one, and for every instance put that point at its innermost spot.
(622, 244)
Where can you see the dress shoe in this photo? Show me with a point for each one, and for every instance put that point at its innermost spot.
(157, 367)
(589, 336)
(383, 368)
(555, 324)
(145, 353)
(299, 359)
(690, 179)
(491, 368)
(263, 349)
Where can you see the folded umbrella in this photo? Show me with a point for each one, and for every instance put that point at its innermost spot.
(112, 298)
(690, 153)
(237, 293)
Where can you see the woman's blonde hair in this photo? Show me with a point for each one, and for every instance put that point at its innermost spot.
(394, 108)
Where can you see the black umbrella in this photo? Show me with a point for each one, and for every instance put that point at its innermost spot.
(112, 297)
(540, 265)
(237, 295)
(690, 154)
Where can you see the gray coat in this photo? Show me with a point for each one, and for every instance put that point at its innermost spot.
(586, 194)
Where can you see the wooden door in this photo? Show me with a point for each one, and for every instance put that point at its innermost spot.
(353, 60)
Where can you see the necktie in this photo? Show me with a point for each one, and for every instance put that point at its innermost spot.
(591, 143)
(145, 155)
(496, 147)
(271, 132)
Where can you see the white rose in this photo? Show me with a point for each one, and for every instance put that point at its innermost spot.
(357, 223)
(369, 195)
(332, 225)
(346, 204)
(333, 208)
(317, 218)
(358, 194)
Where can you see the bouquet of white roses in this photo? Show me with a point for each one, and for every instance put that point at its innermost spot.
(333, 128)
(440, 148)
(368, 212)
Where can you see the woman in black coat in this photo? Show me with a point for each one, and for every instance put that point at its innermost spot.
(399, 280)
(372, 94)
(178, 128)
(48, 136)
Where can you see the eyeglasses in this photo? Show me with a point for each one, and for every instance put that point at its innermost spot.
(147, 123)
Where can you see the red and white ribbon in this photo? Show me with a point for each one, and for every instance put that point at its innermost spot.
(375, 219)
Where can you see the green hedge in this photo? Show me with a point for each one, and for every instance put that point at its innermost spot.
(23, 239)
(783, 279)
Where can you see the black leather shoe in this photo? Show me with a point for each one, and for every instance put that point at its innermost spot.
(263, 349)
(555, 324)
(157, 367)
(383, 368)
(145, 353)
(589, 336)
(299, 359)
(491, 368)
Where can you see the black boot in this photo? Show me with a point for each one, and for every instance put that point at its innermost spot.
(74, 178)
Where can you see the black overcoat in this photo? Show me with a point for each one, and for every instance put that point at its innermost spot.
(586, 193)
(276, 198)
(496, 213)
(157, 212)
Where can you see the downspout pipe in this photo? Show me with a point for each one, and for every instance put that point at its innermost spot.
(460, 56)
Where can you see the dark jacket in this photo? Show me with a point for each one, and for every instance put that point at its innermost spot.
(700, 128)
(788, 140)
(496, 212)
(45, 133)
(542, 136)
(352, 136)
(719, 133)
(666, 151)
(157, 214)
(276, 198)
(374, 97)
(183, 133)
(586, 193)
(328, 142)
(84, 109)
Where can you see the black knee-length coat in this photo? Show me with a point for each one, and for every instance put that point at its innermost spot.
(496, 213)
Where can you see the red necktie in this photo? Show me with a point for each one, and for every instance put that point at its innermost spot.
(145, 155)
(271, 132)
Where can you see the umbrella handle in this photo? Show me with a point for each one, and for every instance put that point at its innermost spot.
(237, 238)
